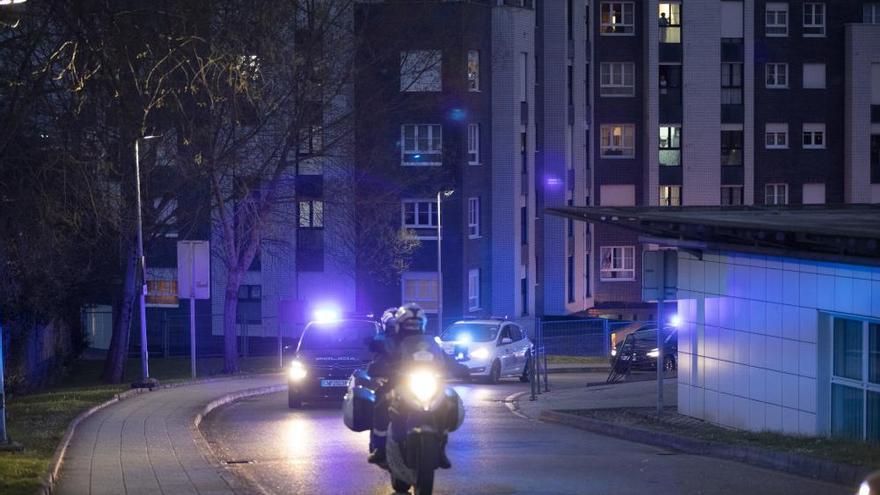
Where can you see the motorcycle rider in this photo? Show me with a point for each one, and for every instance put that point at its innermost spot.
(408, 320)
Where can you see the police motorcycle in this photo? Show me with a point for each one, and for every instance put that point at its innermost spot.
(423, 411)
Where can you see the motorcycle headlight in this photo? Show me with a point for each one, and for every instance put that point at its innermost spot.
(653, 353)
(480, 353)
(297, 371)
(613, 352)
(424, 386)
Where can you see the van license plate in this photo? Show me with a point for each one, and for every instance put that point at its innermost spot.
(334, 383)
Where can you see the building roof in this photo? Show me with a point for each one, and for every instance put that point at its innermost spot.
(838, 232)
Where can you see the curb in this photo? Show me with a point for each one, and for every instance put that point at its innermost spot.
(50, 478)
(808, 467)
(579, 369)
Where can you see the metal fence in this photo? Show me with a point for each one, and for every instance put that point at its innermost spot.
(578, 337)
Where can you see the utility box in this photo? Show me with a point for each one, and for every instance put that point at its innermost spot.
(659, 266)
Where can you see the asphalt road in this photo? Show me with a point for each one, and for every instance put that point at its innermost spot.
(495, 452)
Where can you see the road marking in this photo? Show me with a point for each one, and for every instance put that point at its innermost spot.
(511, 402)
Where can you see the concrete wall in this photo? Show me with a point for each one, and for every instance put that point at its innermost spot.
(754, 345)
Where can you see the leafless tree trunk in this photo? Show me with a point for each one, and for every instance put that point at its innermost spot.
(114, 366)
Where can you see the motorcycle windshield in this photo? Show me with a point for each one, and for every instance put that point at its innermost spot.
(421, 348)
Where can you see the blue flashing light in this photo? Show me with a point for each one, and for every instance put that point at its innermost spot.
(326, 314)
(675, 321)
(465, 338)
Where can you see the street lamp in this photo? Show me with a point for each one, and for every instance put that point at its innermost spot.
(145, 368)
(440, 195)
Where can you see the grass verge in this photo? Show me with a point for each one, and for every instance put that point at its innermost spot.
(584, 360)
(833, 449)
(37, 421)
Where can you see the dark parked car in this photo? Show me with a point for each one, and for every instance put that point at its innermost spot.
(327, 354)
(639, 350)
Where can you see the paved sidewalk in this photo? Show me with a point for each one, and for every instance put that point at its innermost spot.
(148, 444)
(627, 394)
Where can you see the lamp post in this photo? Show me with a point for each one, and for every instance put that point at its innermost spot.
(142, 299)
(440, 195)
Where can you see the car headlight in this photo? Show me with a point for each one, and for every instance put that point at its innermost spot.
(613, 352)
(297, 371)
(480, 353)
(864, 488)
(424, 386)
(654, 353)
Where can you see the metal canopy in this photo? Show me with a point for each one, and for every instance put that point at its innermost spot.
(838, 232)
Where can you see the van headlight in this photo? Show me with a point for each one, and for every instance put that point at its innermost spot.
(424, 386)
(297, 371)
(480, 353)
(653, 353)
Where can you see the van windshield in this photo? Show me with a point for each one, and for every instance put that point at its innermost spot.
(338, 335)
(473, 332)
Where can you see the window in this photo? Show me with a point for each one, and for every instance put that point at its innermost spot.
(311, 140)
(814, 19)
(670, 79)
(776, 136)
(523, 225)
(473, 218)
(871, 13)
(670, 22)
(618, 263)
(166, 216)
(855, 379)
(731, 195)
(422, 144)
(731, 84)
(670, 195)
(617, 79)
(420, 288)
(776, 75)
(250, 309)
(670, 145)
(732, 148)
(618, 141)
(875, 158)
(617, 18)
(814, 76)
(569, 275)
(419, 214)
(524, 296)
(523, 76)
(473, 144)
(814, 136)
(473, 290)
(524, 153)
(473, 70)
(776, 19)
(776, 194)
(311, 214)
(420, 70)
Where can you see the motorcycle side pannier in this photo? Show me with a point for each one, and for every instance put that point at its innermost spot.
(357, 408)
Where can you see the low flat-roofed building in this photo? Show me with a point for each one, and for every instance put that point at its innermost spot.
(780, 311)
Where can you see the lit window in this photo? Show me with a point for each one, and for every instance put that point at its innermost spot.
(473, 70)
(473, 218)
(670, 195)
(670, 22)
(814, 19)
(617, 18)
(618, 263)
(814, 76)
(670, 145)
(776, 136)
(776, 75)
(422, 144)
(419, 214)
(474, 289)
(814, 136)
(473, 144)
(618, 141)
(731, 195)
(776, 194)
(420, 288)
(871, 13)
(311, 214)
(776, 19)
(420, 70)
(617, 79)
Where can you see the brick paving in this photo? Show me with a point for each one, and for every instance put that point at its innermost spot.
(148, 444)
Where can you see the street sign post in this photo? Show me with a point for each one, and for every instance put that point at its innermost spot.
(193, 282)
(659, 281)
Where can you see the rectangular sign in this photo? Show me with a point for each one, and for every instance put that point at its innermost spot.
(194, 269)
(657, 266)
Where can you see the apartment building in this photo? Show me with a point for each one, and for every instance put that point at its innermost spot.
(727, 103)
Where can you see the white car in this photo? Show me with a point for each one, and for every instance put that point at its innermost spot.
(491, 349)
